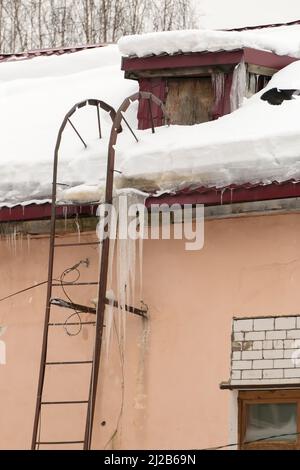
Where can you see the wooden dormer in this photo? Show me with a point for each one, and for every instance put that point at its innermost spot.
(198, 87)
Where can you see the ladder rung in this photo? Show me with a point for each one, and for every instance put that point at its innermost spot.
(67, 363)
(75, 402)
(73, 324)
(60, 245)
(75, 284)
(77, 204)
(58, 442)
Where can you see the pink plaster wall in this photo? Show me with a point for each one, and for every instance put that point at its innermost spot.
(174, 361)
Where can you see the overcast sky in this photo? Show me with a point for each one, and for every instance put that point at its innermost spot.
(235, 13)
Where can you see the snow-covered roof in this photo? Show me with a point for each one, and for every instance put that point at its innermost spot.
(282, 40)
(258, 143)
(35, 95)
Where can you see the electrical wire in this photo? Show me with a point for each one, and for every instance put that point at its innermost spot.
(75, 313)
(24, 290)
(63, 283)
(252, 442)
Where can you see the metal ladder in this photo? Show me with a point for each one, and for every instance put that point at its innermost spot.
(102, 301)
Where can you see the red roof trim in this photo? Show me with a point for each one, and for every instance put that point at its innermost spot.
(207, 196)
(43, 211)
(196, 59)
(267, 59)
(45, 52)
(193, 59)
(230, 195)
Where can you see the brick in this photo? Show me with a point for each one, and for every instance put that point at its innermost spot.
(289, 352)
(255, 335)
(267, 344)
(278, 344)
(246, 382)
(298, 322)
(236, 355)
(257, 344)
(247, 345)
(290, 344)
(285, 323)
(243, 325)
(235, 375)
(273, 354)
(272, 381)
(238, 336)
(263, 364)
(240, 365)
(261, 324)
(236, 346)
(293, 334)
(252, 355)
(289, 381)
(283, 363)
(288, 373)
(273, 374)
(251, 374)
(276, 334)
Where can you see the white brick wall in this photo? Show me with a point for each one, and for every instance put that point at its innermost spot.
(293, 334)
(243, 325)
(251, 374)
(273, 374)
(252, 354)
(263, 349)
(263, 324)
(273, 354)
(255, 335)
(276, 334)
(285, 323)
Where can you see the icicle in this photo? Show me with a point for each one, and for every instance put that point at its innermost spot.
(14, 241)
(65, 214)
(123, 251)
(238, 88)
(252, 85)
(110, 309)
(28, 243)
(77, 227)
(222, 194)
(218, 83)
(127, 243)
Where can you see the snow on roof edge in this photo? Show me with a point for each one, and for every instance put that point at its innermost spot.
(281, 40)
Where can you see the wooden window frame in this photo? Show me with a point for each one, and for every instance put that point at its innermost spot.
(267, 396)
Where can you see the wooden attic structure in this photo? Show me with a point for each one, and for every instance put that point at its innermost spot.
(187, 82)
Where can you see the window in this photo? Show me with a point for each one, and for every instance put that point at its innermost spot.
(269, 420)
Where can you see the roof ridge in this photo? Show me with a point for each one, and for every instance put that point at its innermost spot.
(14, 56)
(273, 25)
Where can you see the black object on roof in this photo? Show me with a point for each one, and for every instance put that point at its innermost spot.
(276, 96)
